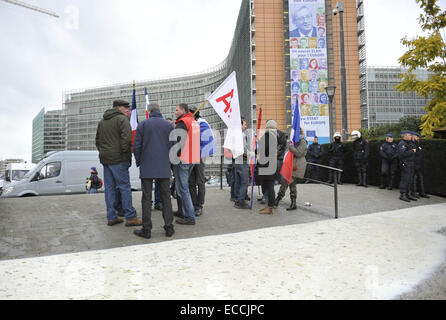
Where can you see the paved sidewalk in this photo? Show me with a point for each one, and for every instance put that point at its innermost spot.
(375, 256)
(40, 226)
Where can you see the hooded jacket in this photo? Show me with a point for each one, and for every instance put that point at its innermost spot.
(114, 138)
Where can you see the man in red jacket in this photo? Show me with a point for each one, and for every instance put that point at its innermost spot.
(188, 154)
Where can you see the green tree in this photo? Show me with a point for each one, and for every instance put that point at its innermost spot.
(428, 52)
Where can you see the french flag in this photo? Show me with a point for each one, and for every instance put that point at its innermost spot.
(134, 116)
(147, 103)
(287, 167)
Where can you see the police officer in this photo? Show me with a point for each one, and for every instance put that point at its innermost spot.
(336, 156)
(315, 156)
(389, 161)
(406, 156)
(418, 172)
(361, 150)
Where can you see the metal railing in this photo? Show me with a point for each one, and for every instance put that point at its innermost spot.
(334, 185)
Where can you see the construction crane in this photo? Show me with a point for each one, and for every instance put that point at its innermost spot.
(28, 6)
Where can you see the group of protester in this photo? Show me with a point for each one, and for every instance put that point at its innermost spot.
(158, 156)
(153, 151)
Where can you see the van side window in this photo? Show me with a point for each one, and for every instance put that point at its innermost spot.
(51, 170)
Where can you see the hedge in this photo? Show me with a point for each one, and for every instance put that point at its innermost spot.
(434, 165)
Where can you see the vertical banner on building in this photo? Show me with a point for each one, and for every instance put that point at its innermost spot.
(308, 61)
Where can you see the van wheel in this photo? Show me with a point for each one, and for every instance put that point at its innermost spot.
(28, 195)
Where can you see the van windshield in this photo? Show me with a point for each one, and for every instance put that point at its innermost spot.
(33, 171)
(17, 175)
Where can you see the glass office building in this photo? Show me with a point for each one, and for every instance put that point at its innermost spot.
(48, 133)
(386, 105)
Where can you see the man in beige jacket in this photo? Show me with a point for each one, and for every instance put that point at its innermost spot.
(299, 167)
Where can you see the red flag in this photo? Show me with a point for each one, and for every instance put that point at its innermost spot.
(287, 167)
(259, 122)
(134, 116)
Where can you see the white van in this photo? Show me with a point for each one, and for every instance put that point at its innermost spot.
(62, 172)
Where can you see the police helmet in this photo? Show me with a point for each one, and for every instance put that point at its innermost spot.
(337, 134)
(355, 134)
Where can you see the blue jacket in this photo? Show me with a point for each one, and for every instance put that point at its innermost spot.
(207, 143)
(151, 147)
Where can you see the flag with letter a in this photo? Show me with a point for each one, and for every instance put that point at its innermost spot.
(225, 102)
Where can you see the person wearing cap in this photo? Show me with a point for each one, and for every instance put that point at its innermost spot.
(406, 156)
(114, 143)
(151, 149)
(95, 182)
(361, 151)
(336, 152)
(418, 178)
(315, 153)
(389, 162)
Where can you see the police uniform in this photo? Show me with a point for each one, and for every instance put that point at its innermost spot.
(336, 151)
(406, 156)
(361, 150)
(315, 156)
(389, 162)
(418, 171)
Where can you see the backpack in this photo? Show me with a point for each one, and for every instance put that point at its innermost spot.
(101, 183)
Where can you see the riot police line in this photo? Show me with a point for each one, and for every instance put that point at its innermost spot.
(407, 156)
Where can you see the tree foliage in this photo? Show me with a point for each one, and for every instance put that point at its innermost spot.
(427, 52)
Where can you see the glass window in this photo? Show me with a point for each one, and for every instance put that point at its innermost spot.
(51, 170)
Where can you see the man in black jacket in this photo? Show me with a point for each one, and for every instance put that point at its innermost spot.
(406, 156)
(336, 159)
(315, 152)
(418, 169)
(361, 150)
(114, 142)
(389, 161)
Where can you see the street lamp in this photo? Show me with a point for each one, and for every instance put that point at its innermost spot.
(340, 9)
(331, 90)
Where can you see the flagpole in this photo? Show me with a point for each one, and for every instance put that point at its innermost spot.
(259, 121)
(201, 106)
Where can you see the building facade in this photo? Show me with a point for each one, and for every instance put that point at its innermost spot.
(260, 54)
(386, 105)
(49, 133)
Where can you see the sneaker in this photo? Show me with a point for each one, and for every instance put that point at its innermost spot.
(142, 233)
(135, 222)
(198, 212)
(267, 210)
(159, 207)
(169, 230)
(116, 221)
(178, 214)
(241, 205)
(185, 221)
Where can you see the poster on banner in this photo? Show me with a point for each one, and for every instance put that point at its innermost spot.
(308, 67)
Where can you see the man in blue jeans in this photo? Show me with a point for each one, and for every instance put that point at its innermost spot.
(241, 172)
(188, 143)
(114, 142)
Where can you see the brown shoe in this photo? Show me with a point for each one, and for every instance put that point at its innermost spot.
(135, 222)
(267, 210)
(116, 221)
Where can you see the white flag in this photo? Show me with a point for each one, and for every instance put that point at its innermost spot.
(225, 102)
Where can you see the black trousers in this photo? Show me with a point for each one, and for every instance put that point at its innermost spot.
(361, 165)
(313, 169)
(197, 185)
(146, 202)
(406, 178)
(268, 186)
(335, 163)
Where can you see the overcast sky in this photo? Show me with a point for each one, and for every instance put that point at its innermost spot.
(96, 43)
